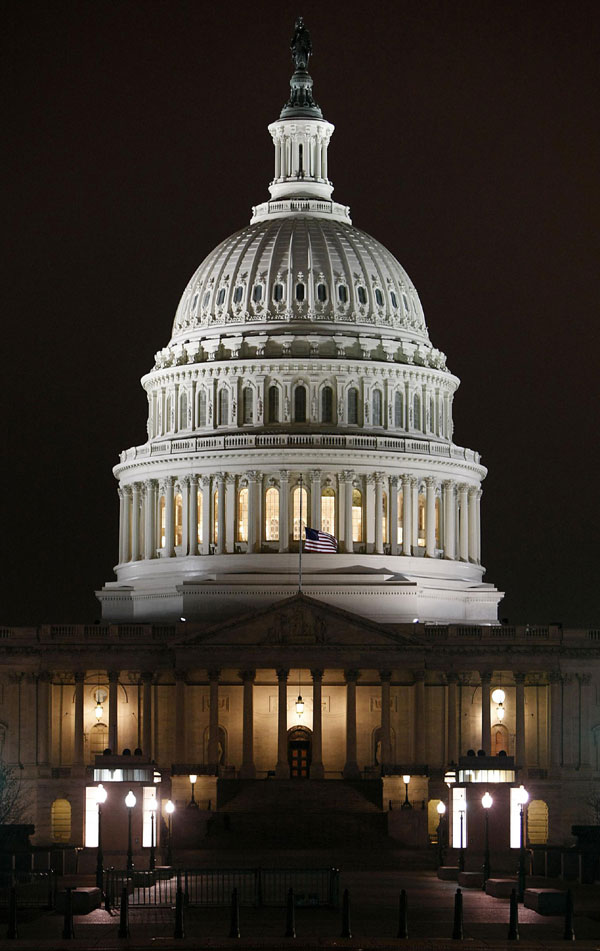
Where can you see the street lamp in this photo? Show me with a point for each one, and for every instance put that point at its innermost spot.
(101, 795)
(170, 809)
(461, 854)
(130, 802)
(152, 804)
(441, 811)
(406, 804)
(486, 802)
(192, 804)
(522, 799)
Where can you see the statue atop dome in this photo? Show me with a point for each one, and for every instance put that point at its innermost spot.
(301, 45)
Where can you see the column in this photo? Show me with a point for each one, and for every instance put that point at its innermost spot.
(284, 511)
(167, 490)
(135, 521)
(486, 716)
(213, 719)
(180, 724)
(520, 757)
(414, 486)
(585, 681)
(78, 739)
(193, 512)
(473, 524)
(121, 525)
(351, 770)
(44, 739)
(147, 714)
(379, 513)
(282, 769)
(231, 511)
(315, 499)
(254, 478)
(406, 515)
(126, 522)
(206, 514)
(386, 733)
(347, 477)
(449, 521)
(393, 515)
(221, 513)
(150, 519)
(113, 711)
(420, 721)
(463, 518)
(556, 715)
(430, 484)
(185, 514)
(452, 745)
(316, 767)
(248, 770)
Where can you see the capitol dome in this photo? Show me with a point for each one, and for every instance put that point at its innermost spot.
(299, 390)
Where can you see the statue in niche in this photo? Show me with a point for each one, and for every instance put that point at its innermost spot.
(301, 45)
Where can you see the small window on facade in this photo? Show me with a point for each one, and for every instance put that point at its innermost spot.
(362, 295)
(238, 294)
(326, 404)
(273, 404)
(300, 404)
(353, 406)
(321, 292)
(206, 299)
(60, 820)
(221, 296)
(343, 293)
(379, 297)
(257, 293)
(377, 414)
(300, 292)
(394, 299)
(278, 292)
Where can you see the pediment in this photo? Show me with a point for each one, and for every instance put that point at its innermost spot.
(300, 620)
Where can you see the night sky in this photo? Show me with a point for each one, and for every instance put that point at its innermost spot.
(467, 141)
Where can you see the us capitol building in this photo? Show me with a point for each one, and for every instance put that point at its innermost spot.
(300, 388)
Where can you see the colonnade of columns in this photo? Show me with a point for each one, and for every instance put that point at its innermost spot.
(197, 514)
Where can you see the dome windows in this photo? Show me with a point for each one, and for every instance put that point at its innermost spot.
(378, 297)
(221, 297)
(326, 405)
(417, 411)
(406, 304)
(398, 410)
(362, 295)
(194, 302)
(247, 405)
(238, 294)
(273, 406)
(322, 293)
(257, 293)
(223, 407)
(300, 404)
(206, 299)
(377, 417)
(278, 292)
(394, 299)
(352, 406)
(343, 294)
(300, 292)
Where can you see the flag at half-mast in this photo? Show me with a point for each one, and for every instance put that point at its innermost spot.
(319, 541)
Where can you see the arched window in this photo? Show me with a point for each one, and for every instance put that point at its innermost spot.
(216, 518)
(162, 512)
(299, 525)
(362, 295)
(378, 297)
(499, 739)
(223, 407)
(537, 822)
(353, 406)
(221, 297)
(416, 411)
(98, 740)
(278, 292)
(202, 408)
(421, 520)
(178, 519)
(394, 299)
(299, 292)
(357, 516)
(377, 414)
(60, 820)
(238, 294)
(242, 512)
(247, 405)
(384, 515)
(273, 404)
(328, 510)
(400, 535)
(183, 410)
(326, 404)
(300, 404)
(272, 515)
(321, 293)
(399, 410)
(257, 293)
(343, 294)
(437, 524)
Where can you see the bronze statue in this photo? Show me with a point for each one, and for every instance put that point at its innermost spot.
(301, 45)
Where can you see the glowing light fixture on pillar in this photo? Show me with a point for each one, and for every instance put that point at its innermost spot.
(170, 809)
(152, 806)
(130, 802)
(406, 804)
(192, 803)
(441, 811)
(486, 802)
(101, 795)
(522, 799)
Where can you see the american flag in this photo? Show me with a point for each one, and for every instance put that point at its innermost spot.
(319, 541)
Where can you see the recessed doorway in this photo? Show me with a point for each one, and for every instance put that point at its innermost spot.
(299, 752)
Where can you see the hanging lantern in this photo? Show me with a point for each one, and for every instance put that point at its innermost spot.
(98, 712)
(299, 705)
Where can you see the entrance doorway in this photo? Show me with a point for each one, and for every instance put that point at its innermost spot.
(299, 752)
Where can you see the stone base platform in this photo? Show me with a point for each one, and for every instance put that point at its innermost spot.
(84, 900)
(546, 901)
(448, 873)
(470, 879)
(500, 887)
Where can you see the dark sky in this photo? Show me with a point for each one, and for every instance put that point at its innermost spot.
(467, 141)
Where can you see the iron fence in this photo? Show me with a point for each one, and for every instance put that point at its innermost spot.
(34, 889)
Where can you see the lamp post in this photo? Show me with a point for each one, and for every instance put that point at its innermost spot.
(461, 854)
(441, 810)
(406, 804)
(170, 809)
(100, 798)
(130, 802)
(192, 804)
(152, 807)
(522, 799)
(486, 802)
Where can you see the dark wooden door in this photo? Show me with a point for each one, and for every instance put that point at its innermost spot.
(299, 759)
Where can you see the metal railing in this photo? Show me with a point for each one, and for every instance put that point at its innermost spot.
(256, 887)
(34, 889)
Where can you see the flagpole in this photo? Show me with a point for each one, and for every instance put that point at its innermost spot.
(300, 545)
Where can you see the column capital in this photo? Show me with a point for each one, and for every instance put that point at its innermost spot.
(136, 487)
(394, 481)
(213, 674)
(431, 482)
(448, 485)
(554, 677)
(230, 478)
(315, 475)
(419, 675)
(451, 677)
(193, 477)
(184, 481)
(282, 674)
(113, 676)
(316, 674)
(247, 676)
(284, 475)
(351, 675)
(485, 676)
(379, 478)
(473, 490)
(406, 479)
(519, 677)
(463, 488)
(385, 676)
(347, 475)
(79, 676)
(126, 489)
(147, 676)
(584, 679)
(44, 677)
(180, 674)
(206, 481)
(220, 477)
(254, 475)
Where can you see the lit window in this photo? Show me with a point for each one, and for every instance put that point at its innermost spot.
(300, 404)
(278, 292)
(357, 518)
(98, 740)
(459, 811)
(297, 494)
(362, 295)
(220, 296)
(321, 293)
(343, 294)
(377, 414)
(238, 294)
(326, 404)
(148, 794)
(60, 820)
(353, 406)
(379, 297)
(257, 293)
(421, 520)
(273, 404)
(272, 515)
(328, 510)
(247, 405)
(300, 292)
(178, 519)
(242, 525)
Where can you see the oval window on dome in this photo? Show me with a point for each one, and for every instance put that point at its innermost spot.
(394, 299)
(194, 302)
(379, 297)
(299, 292)
(343, 294)
(362, 295)
(220, 297)
(278, 292)
(406, 304)
(257, 293)
(238, 294)
(321, 292)
(206, 300)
